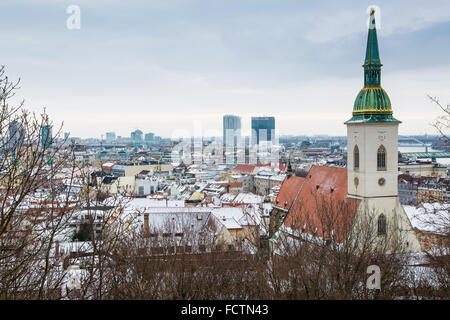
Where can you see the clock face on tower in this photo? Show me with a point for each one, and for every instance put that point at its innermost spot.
(381, 136)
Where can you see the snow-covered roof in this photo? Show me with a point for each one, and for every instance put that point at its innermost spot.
(230, 223)
(248, 198)
(227, 197)
(142, 204)
(180, 221)
(238, 214)
(432, 217)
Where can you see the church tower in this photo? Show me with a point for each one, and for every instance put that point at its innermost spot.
(372, 132)
(372, 152)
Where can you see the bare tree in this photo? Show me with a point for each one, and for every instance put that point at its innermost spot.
(442, 123)
(325, 253)
(34, 208)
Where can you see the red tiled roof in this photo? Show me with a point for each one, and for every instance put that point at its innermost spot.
(322, 204)
(281, 166)
(244, 168)
(232, 184)
(248, 168)
(288, 191)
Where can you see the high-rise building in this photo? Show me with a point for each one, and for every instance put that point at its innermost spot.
(263, 129)
(234, 149)
(46, 136)
(136, 135)
(16, 135)
(110, 136)
(231, 130)
(149, 136)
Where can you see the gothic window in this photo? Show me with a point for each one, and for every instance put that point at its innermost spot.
(382, 225)
(356, 157)
(381, 159)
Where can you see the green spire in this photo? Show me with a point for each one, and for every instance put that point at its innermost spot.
(372, 53)
(372, 64)
(372, 103)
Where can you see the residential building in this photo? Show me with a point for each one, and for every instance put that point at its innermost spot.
(429, 194)
(121, 169)
(430, 222)
(407, 190)
(264, 181)
(189, 229)
(423, 169)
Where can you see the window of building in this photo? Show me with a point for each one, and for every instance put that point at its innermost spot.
(356, 157)
(382, 225)
(381, 158)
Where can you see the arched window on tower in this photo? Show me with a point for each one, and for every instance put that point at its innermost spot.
(381, 158)
(382, 225)
(356, 157)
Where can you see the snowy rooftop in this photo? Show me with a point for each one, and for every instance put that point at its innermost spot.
(432, 217)
(248, 198)
(238, 214)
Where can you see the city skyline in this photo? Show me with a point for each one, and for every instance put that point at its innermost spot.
(232, 181)
(179, 67)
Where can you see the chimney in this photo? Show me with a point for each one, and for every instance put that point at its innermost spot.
(146, 226)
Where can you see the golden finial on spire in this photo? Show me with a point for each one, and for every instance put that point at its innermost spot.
(372, 11)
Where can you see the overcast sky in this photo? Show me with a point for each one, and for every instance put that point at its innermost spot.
(175, 67)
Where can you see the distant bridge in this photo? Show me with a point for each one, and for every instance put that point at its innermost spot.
(426, 155)
(412, 142)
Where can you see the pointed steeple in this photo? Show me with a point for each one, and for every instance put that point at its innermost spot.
(372, 103)
(372, 52)
(372, 64)
(289, 171)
